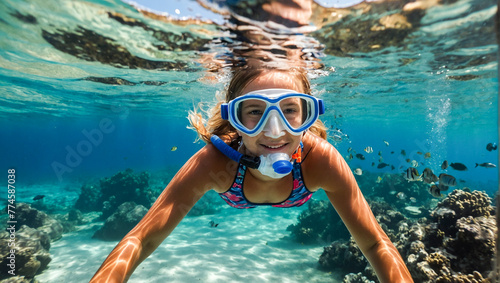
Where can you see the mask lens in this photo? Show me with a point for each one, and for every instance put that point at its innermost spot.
(297, 111)
(249, 112)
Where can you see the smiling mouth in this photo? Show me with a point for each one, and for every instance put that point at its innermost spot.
(274, 146)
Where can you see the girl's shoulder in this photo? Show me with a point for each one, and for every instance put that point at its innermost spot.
(317, 146)
(322, 165)
(218, 167)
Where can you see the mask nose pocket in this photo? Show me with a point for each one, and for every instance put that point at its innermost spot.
(274, 127)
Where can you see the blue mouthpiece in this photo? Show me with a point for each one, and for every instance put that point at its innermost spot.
(282, 166)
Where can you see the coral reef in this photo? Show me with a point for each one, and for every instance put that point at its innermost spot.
(89, 198)
(319, 223)
(462, 232)
(32, 253)
(347, 257)
(356, 278)
(455, 244)
(25, 215)
(343, 256)
(123, 187)
(32, 243)
(121, 222)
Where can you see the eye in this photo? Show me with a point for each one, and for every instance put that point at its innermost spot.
(290, 110)
(255, 112)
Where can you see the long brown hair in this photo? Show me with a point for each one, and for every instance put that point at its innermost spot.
(241, 78)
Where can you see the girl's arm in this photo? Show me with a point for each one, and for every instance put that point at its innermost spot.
(200, 174)
(327, 169)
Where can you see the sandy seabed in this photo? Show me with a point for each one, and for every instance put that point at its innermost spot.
(247, 246)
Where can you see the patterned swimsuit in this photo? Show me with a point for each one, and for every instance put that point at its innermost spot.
(235, 197)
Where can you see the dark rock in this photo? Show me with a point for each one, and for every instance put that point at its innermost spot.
(319, 223)
(121, 222)
(25, 215)
(31, 256)
(343, 256)
(124, 187)
(89, 199)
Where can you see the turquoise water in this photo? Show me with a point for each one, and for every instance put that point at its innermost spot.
(85, 95)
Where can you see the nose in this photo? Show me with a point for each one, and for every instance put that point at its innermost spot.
(274, 126)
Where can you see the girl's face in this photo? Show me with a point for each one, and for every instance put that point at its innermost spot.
(264, 144)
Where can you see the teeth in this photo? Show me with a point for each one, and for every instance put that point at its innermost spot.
(278, 146)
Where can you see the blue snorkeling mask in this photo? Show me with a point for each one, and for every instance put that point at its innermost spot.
(273, 111)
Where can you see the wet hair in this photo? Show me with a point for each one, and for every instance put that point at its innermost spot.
(241, 78)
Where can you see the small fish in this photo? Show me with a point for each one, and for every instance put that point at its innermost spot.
(444, 165)
(419, 152)
(414, 163)
(349, 149)
(427, 155)
(360, 156)
(486, 165)
(379, 179)
(435, 192)
(368, 149)
(408, 160)
(382, 165)
(447, 180)
(458, 166)
(373, 164)
(491, 146)
(213, 224)
(442, 187)
(386, 143)
(412, 175)
(351, 156)
(381, 159)
(428, 176)
(380, 153)
(358, 171)
(403, 152)
(401, 196)
(412, 199)
(38, 197)
(174, 148)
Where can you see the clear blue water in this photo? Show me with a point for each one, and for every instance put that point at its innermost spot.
(46, 105)
(435, 91)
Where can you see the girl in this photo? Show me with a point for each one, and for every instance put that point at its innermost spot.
(265, 146)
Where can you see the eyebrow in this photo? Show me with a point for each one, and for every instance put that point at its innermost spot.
(253, 104)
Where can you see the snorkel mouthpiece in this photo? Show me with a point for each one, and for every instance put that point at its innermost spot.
(275, 165)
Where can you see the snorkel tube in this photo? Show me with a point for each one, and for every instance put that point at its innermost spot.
(276, 165)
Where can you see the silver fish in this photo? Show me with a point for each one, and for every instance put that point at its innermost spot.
(401, 196)
(486, 165)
